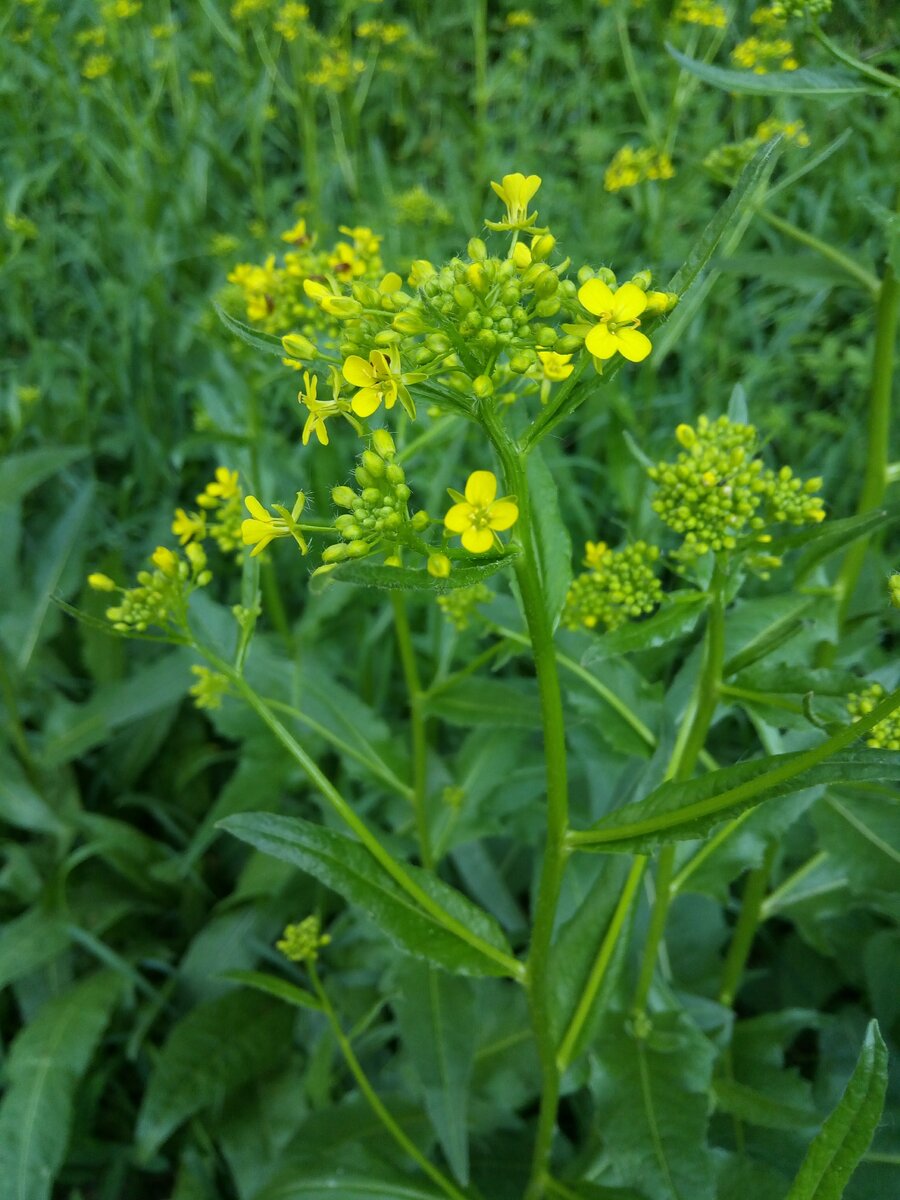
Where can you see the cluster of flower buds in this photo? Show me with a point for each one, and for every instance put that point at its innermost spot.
(377, 514)
(459, 605)
(302, 942)
(718, 489)
(161, 595)
(886, 734)
(210, 688)
(221, 511)
(619, 586)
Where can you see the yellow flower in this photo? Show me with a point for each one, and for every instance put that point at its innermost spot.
(594, 554)
(165, 560)
(100, 582)
(617, 331)
(188, 525)
(556, 366)
(477, 515)
(95, 66)
(516, 191)
(223, 487)
(261, 527)
(379, 380)
(319, 412)
(296, 235)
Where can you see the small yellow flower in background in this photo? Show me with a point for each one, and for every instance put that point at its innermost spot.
(594, 554)
(165, 560)
(187, 526)
(886, 734)
(95, 66)
(241, 9)
(520, 18)
(202, 78)
(291, 21)
(210, 688)
(617, 331)
(700, 12)
(556, 367)
(100, 582)
(301, 942)
(380, 381)
(477, 516)
(631, 166)
(162, 32)
(261, 527)
(120, 10)
(91, 37)
(223, 487)
(297, 235)
(516, 191)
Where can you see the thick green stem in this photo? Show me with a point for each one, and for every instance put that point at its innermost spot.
(681, 766)
(555, 854)
(417, 723)
(745, 930)
(409, 1147)
(349, 816)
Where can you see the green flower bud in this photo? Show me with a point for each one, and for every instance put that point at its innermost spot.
(372, 463)
(357, 549)
(408, 322)
(548, 308)
(584, 274)
(387, 337)
(363, 478)
(546, 336)
(371, 496)
(383, 444)
(568, 344)
(476, 249)
(547, 285)
(297, 346)
(395, 474)
(420, 521)
(439, 566)
(607, 276)
(541, 246)
(483, 386)
(334, 554)
(643, 279)
(402, 492)
(463, 297)
(521, 362)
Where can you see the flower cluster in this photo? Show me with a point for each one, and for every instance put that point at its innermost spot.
(210, 688)
(302, 942)
(729, 160)
(619, 586)
(220, 516)
(632, 166)
(768, 51)
(700, 12)
(273, 294)
(459, 605)
(886, 734)
(718, 489)
(161, 595)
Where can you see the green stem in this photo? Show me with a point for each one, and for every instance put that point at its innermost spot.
(878, 434)
(417, 723)
(409, 1147)
(348, 815)
(775, 897)
(766, 698)
(480, 93)
(681, 766)
(634, 77)
(745, 929)
(569, 1043)
(555, 854)
(706, 851)
(855, 64)
(869, 281)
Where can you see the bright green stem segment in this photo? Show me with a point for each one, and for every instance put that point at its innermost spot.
(747, 924)
(555, 853)
(417, 722)
(437, 1177)
(681, 766)
(348, 815)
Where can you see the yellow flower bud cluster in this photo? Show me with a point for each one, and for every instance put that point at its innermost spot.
(796, 9)
(221, 502)
(729, 160)
(161, 595)
(210, 688)
(700, 12)
(768, 52)
(301, 942)
(718, 489)
(459, 605)
(376, 515)
(886, 734)
(894, 590)
(292, 21)
(632, 166)
(620, 586)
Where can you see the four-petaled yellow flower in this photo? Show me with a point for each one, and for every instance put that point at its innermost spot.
(477, 515)
(556, 367)
(617, 331)
(516, 191)
(321, 410)
(261, 527)
(223, 487)
(188, 525)
(379, 380)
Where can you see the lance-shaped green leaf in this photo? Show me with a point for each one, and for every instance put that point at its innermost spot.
(45, 1065)
(438, 1023)
(351, 870)
(268, 343)
(682, 810)
(554, 545)
(415, 579)
(329, 1183)
(844, 1138)
(806, 81)
(678, 617)
(19, 473)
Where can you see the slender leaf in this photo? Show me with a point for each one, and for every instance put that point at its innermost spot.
(45, 1065)
(681, 810)
(479, 701)
(273, 985)
(349, 869)
(554, 545)
(438, 1023)
(678, 617)
(268, 343)
(19, 473)
(805, 81)
(844, 1138)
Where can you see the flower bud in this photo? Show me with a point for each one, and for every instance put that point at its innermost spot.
(521, 256)
(643, 279)
(387, 337)
(547, 285)
(546, 335)
(343, 496)
(334, 554)
(420, 271)
(568, 344)
(102, 583)
(685, 436)
(297, 346)
(164, 560)
(395, 474)
(477, 250)
(357, 549)
(605, 275)
(463, 297)
(477, 279)
(439, 566)
(548, 308)
(520, 362)
(408, 322)
(372, 463)
(363, 478)
(421, 520)
(541, 246)
(483, 386)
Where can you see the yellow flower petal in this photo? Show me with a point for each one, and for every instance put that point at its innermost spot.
(390, 284)
(254, 531)
(358, 372)
(628, 302)
(458, 518)
(365, 402)
(600, 342)
(381, 364)
(632, 344)
(256, 509)
(476, 541)
(503, 514)
(481, 488)
(596, 297)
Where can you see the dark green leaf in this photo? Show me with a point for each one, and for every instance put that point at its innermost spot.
(803, 82)
(415, 579)
(349, 868)
(748, 1104)
(554, 545)
(45, 1065)
(844, 1138)
(336, 1183)
(678, 617)
(438, 1022)
(28, 942)
(480, 701)
(19, 473)
(268, 343)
